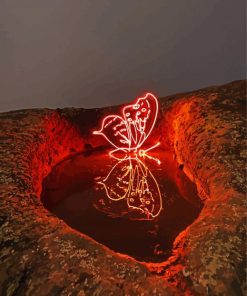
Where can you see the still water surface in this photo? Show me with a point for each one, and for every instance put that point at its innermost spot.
(135, 207)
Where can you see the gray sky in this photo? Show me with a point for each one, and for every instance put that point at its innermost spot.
(88, 53)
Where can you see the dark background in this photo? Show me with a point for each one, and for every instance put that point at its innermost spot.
(88, 53)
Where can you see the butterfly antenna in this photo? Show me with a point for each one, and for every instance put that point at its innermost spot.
(154, 146)
(153, 158)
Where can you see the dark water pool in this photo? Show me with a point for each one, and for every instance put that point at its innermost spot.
(133, 207)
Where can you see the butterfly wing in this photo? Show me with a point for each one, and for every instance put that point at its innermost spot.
(132, 181)
(131, 130)
(116, 183)
(115, 131)
(144, 194)
(140, 119)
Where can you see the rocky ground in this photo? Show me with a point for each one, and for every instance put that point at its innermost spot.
(41, 255)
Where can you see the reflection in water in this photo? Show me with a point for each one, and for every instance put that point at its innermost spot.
(123, 208)
(131, 180)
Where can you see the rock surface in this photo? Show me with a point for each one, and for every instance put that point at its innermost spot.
(41, 255)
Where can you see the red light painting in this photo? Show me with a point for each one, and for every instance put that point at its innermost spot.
(132, 181)
(127, 133)
(130, 178)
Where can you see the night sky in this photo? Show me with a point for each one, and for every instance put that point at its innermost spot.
(91, 53)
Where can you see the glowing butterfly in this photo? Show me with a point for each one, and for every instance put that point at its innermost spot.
(128, 132)
(131, 180)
